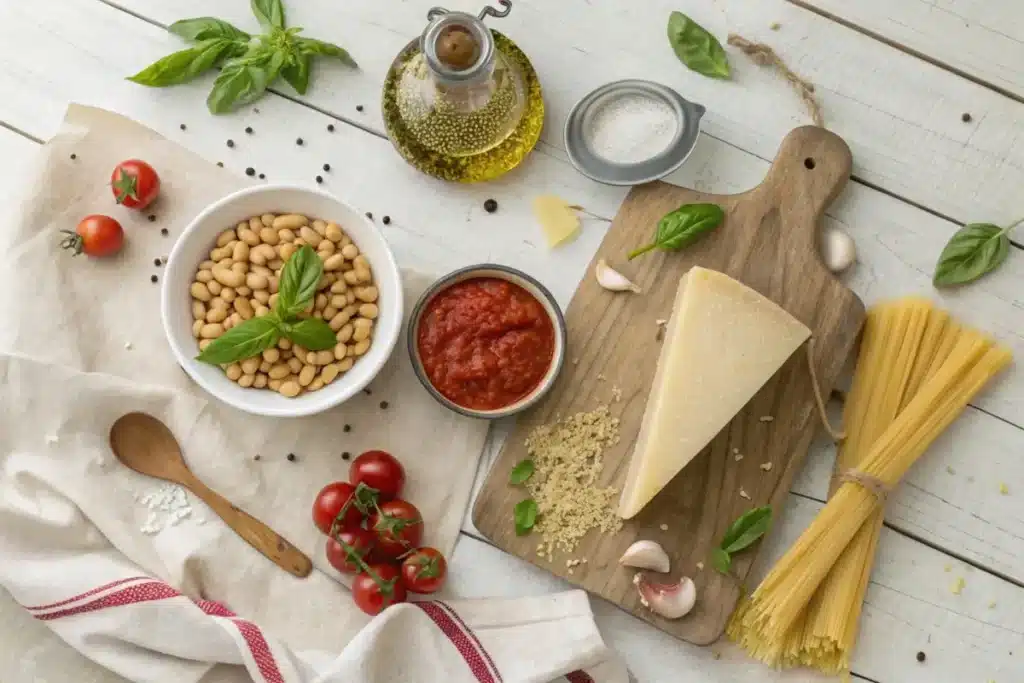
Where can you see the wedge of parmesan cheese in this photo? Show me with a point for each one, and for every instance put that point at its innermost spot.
(559, 221)
(722, 344)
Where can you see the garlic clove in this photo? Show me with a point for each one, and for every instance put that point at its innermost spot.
(613, 280)
(646, 555)
(838, 249)
(669, 600)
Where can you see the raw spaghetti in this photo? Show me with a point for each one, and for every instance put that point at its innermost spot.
(916, 372)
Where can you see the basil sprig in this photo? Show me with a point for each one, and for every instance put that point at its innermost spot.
(249, 64)
(525, 514)
(696, 47)
(683, 227)
(521, 472)
(741, 534)
(295, 294)
(975, 250)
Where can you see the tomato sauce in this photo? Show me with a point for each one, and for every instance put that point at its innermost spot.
(485, 343)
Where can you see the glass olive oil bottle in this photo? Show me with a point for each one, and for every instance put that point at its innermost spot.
(463, 102)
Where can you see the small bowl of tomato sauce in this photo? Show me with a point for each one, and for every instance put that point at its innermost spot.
(487, 341)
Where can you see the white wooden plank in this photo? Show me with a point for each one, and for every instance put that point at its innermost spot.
(900, 114)
(982, 39)
(909, 608)
(439, 226)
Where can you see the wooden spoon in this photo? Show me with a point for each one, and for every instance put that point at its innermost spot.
(146, 445)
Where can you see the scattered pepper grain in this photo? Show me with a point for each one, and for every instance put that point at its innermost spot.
(248, 129)
(369, 215)
(568, 466)
(359, 107)
(291, 457)
(73, 157)
(250, 171)
(330, 127)
(256, 457)
(386, 220)
(230, 143)
(347, 428)
(921, 656)
(263, 176)
(298, 141)
(157, 262)
(319, 180)
(182, 126)
(151, 218)
(153, 278)
(221, 164)
(327, 167)
(345, 455)
(165, 232)
(966, 117)
(383, 405)
(490, 206)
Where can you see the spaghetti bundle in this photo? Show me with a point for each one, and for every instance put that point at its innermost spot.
(916, 372)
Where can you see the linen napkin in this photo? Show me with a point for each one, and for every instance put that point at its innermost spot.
(141, 577)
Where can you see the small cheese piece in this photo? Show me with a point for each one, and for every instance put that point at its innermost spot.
(557, 219)
(723, 343)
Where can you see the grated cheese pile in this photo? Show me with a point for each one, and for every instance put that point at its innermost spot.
(567, 456)
(168, 506)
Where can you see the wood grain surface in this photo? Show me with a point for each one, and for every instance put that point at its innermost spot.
(768, 241)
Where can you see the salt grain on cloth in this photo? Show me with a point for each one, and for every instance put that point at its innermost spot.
(630, 128)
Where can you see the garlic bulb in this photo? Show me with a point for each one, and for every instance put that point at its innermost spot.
(837, 249)
(646, 555)
(613, 280)
(670, 600)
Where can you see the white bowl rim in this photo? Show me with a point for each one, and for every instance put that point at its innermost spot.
(298, 408)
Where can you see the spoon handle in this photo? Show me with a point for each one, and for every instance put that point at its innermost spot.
(255, 533)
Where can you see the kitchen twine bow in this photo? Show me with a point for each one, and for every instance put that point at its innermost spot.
(878, 488)
(819, 400)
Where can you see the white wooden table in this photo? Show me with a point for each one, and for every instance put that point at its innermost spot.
(895, 79)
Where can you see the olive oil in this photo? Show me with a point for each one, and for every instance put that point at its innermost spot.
(463, 102)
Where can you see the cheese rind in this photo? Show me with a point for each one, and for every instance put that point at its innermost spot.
(722, 344)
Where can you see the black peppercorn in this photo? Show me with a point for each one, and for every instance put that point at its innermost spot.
(230, 143)
(263, 176)
(319, 179)
(298, 141)
(383, 405)
(369, 215)
(291, 457)
(490, 206)
(327, 167)
(359, 107)
(965, 117)
(330, 127)
(221, 164)
(386, 220)
(164, 232)
(250, 171)
(256, 457)
(153, 278)
(346, 455)
(157, 262)
(920, 656)
(151, 217)
(73, 157)
(182, 126)
(248, 129)
(255, 110)
(347, 428)
(367, 392)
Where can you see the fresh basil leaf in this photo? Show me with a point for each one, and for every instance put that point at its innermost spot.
(183, 65)
(296, 72)
(312, 333)
(749, 527)
(975, 250)
(720, 560)
(521, 472)
(205, 28)
(318, 47)
(270, 13)
(244, 79)
(525, 516)
(299, 279)
(696, 48)
(683, 227)
(252, 337)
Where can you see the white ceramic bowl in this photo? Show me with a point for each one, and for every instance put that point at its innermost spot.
(516, 277)
(194, 246)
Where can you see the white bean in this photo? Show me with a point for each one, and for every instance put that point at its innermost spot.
(200, 291)
(198, 310)
(204, 276)
(233, 371)
(228, 278)
(215, 287)
(216, 315)
(361, 347)
(307, 374)
(333, 232)
(280, 371)
(292, 221)
(269, 236)
(368, 311)
(350, 251)
(251, 365)
(244, 308)
(211, 330)
(329, 373)
(225, 237)
(268, 219)
(289, 389)
(334, 262)
(246, 381)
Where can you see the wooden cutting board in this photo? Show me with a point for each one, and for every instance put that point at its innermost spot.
(768, 241)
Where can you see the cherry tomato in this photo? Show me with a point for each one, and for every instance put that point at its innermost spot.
(135, 184)
(425, 570)
(95, 235)
(329, 504)
(399, 528)
(360, 540)
(379, 470)
(372, 596)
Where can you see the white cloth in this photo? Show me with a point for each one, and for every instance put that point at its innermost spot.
(82, 345)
